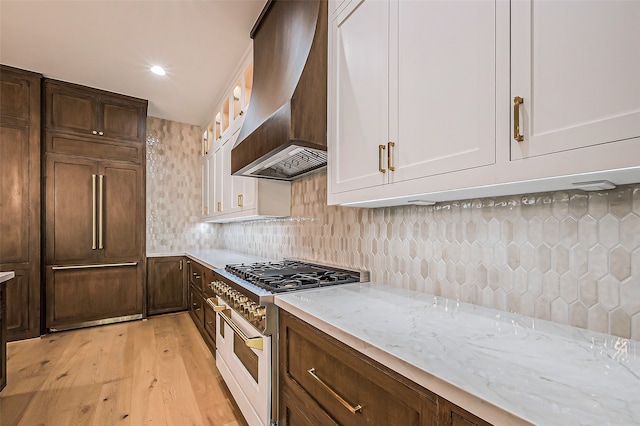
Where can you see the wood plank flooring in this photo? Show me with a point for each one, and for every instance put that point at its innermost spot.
(155, 372)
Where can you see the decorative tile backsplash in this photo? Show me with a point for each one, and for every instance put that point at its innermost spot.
(173, 188)
(571, 257)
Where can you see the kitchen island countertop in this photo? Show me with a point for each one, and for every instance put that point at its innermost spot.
(6, 276)
(503, 367)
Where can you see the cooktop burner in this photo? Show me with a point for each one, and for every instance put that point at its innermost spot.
(290, 275)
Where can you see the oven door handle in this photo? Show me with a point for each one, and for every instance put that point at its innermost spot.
(216, 308)
(252, 342)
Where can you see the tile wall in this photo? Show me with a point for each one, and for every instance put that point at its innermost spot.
(570, 257)
(173, 188)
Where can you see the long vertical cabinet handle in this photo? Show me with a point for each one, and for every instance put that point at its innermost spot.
(517, 101)
(381, 149)
(100, 210)
(94, 211)
(390, 165)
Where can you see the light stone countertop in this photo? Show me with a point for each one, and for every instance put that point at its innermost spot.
(6, 276)
(505, 368)
(213, 258)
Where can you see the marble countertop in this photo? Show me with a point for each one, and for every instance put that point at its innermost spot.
(505, 368)
(6, 276)
(213, 258)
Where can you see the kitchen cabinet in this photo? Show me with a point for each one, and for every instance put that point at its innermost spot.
(413, 95)
(576, 67)
(3, 335)
(338, 385)
(166, 284)
(20, 205)
(225, 197)
(200, 311)
(82, 110)
(537, 96)
(234, 198)
(94, 206)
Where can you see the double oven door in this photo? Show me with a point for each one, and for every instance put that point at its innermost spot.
(243, 357)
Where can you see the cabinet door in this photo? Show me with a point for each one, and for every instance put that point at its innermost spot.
(70, 206)
(576, 66)
(359, 95)
(206, 181)
(196, 307)
(166, 284)
(19, 311)
(233, 186)
(14, 187)
(87, 296)
(67, 108)
(121, 230)
(218, 179)
(121, 119)
(446, 66)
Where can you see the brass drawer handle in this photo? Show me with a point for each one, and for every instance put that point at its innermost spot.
(381, 148)
(216, 308)
(219, 206)
(240, 200)
(517, 101)
(389, 158)
(252, 342)
(341, 400)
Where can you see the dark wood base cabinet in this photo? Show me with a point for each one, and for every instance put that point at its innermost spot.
(324, 382)
(166, 284)
(3, 337)
(201, 312)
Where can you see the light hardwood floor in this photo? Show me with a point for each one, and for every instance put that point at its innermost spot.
(155, 372)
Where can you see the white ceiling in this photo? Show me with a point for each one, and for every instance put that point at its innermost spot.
(110, 45)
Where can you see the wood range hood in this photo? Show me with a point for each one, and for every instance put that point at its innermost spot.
(284, 135)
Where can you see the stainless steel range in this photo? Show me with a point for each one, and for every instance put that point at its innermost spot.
(248, 323)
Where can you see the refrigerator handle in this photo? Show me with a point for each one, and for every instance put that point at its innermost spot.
(100, 211)
(94, 212)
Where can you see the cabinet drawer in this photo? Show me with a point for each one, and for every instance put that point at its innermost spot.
(321, 370)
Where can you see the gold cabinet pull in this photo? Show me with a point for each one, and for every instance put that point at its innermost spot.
(100, 210)
(94, 211)
(341, 400)
(251, 342)
(381, 148)
(389, 157)
(240, 200)
(181, 265)
(219, 206)
(517, 101)
(205, 210)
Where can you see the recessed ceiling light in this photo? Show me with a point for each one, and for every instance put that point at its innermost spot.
(158, 70)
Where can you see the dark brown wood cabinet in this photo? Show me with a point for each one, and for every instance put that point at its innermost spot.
(82, 110)
(3, 336)
(201, 312)
(20, 204)
(166, 284)
(94, 204)
(338, 385)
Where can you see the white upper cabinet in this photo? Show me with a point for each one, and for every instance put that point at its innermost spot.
(359, 94)
(435, 101)
(446, 73)
(576, 66)
(225, 197)
(412, 92)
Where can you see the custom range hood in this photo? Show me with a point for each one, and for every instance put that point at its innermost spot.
(284, 135)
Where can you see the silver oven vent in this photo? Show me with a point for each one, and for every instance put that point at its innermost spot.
(291, 161)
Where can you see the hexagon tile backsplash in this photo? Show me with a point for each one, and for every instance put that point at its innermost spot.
(570, 257)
